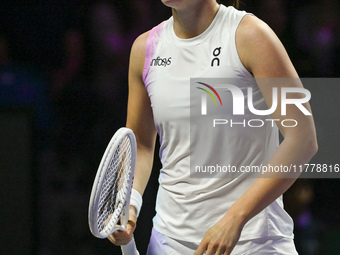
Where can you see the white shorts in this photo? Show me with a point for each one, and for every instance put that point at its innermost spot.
(161, 244)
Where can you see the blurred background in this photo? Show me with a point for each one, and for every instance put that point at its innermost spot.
(63, 94)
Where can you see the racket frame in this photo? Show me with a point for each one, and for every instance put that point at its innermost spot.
(123, 210)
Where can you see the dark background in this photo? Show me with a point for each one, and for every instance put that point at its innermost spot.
(63, 93)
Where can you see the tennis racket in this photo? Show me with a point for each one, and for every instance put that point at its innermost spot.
(111, 190)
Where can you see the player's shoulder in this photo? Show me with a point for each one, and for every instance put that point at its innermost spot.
(253, 30)
(254, 37)
(253, 27)
(141, 41)
(137, 54)
(139, 44)
(260, 50)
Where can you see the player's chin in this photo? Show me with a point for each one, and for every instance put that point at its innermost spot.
(172, 3)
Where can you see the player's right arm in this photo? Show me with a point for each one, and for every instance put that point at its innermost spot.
(140, 120)
(140, 116)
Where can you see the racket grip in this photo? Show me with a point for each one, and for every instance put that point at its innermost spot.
(130, 248)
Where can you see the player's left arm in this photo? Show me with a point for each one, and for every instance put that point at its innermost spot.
(264, 56)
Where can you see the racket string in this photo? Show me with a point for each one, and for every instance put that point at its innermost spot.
(115, 186)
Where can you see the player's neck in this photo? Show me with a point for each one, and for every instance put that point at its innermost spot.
(193, 22)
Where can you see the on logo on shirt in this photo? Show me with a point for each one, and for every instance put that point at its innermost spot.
(216, 53)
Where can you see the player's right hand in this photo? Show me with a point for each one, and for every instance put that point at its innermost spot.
(124, 237)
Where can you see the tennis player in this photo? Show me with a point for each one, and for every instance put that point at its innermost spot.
(204, 38)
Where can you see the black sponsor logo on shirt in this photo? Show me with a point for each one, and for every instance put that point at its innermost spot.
(161, 61)
(216, 53)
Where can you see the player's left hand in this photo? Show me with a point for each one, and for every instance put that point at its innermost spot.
(221, 238)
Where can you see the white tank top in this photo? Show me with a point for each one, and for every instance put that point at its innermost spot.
(187, 207)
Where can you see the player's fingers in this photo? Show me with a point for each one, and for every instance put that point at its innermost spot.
(130, 227)
(211, 250)
(222, 251)
(201, 249)
(119, 238)
(112, 239)
(132, 214)
(119, 234)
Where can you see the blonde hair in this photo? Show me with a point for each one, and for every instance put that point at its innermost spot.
(236, 3)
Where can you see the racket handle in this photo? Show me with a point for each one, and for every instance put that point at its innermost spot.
(130, 248)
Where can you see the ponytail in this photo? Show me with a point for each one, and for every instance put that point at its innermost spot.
(236, 3)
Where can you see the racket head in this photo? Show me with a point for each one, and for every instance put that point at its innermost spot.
(112, 186)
